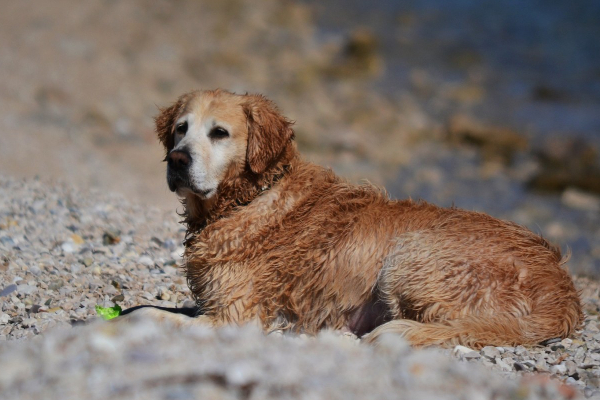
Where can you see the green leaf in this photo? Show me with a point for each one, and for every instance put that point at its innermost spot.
(109, 312)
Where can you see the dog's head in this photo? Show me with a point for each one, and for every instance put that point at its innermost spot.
(207, 133)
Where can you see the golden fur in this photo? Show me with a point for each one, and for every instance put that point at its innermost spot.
(290, 245)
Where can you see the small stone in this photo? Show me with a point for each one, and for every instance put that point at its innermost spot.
(68, 247)
(571, 381)
(588, 391)
(118, 297)
(189, 304)
(26, 289)
(56, 284)
(472, 355)
(87, 261)
(111, 236)
(566, 342)
(34, 309)
(461, 350)
(541, 365)
(29, 322)
(177, 254)
(169, 244)
(559, 369)
(580, 200)
(521, 351)
(75, 268)
(170, 270)
(148, 296)
(571, 367)
(4, 318)
(8, 290)
(146, 260)
(503, 366)
(7, 241)
(490, 352)
(165, 296)
(77, 240)
(529, 364)
(519, 367)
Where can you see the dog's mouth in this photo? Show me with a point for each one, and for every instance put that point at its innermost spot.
(184, 187)
(203, 194)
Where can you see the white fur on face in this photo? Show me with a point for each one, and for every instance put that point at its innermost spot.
(210, 157)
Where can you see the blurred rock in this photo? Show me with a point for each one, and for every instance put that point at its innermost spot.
(545, 93)
(358, 57)
(580, 200)
(495, 143)
(567, 163)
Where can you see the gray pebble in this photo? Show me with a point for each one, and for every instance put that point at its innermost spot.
(35, 270)
(56, 284)
(29, 322)
(490, 352)
(541, 365)
(26, 289)
(472, 355)
(8, 290)
(559, 369)
(146, 261)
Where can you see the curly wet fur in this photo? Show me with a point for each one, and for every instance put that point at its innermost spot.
(290, 245)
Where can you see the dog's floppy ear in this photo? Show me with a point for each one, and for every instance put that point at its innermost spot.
(269, 132)
(165, 121)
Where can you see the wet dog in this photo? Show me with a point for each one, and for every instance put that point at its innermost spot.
(278, 241)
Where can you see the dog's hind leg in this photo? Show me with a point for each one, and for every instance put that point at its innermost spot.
(446, 291)
(472, 332)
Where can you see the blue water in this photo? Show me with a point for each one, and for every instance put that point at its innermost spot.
(509, 47)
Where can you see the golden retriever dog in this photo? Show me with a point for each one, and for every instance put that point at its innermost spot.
(275, 240)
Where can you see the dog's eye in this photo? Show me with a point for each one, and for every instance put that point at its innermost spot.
(218, 133)
(182, 128)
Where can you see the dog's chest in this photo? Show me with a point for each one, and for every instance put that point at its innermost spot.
(284, 252)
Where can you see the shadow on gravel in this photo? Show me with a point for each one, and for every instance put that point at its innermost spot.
(189, 311)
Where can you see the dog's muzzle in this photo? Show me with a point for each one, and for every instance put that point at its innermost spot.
(178, 167)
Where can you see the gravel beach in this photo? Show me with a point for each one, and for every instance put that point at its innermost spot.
(64, 251)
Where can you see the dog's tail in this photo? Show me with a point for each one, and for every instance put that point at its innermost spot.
(479, 331)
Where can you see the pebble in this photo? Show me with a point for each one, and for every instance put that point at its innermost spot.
(8, 290)
(461, 350)
(503, 365)
(559, 369)
(26, 289)
(146, 260)
(55, 284)
(490, 352)
(581, 200)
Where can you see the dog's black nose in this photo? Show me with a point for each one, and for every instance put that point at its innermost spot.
(178, 159)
